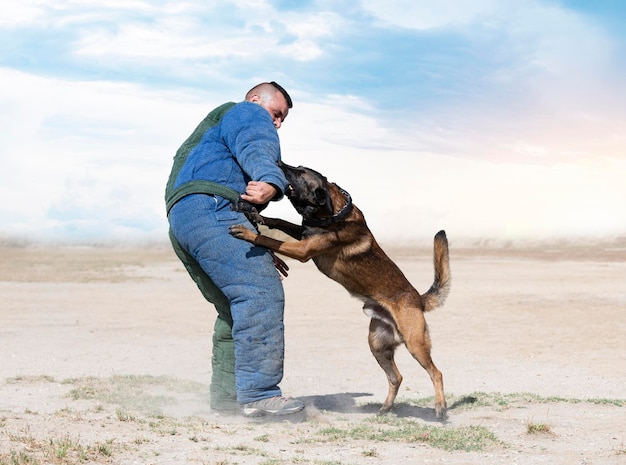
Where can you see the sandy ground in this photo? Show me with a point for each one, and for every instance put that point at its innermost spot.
(105, 358)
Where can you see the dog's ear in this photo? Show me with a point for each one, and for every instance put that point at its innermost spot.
(323, 199)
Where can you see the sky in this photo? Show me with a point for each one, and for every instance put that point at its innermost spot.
(496, 120)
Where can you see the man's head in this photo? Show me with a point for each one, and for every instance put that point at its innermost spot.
(273, 98)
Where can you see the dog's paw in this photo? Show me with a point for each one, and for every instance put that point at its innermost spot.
(384, 410)
(441, 411)
(254, 217)
(241, 232)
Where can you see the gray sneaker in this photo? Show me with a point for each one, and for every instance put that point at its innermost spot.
(272, 406)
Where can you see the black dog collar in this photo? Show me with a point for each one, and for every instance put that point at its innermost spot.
(336, 218)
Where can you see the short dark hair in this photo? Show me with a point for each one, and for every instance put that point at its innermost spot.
(284, 92)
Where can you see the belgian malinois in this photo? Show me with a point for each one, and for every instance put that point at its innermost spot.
(334, 234)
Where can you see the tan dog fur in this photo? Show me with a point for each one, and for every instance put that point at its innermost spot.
(347, 252)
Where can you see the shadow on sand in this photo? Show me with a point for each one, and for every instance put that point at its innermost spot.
(346, 403)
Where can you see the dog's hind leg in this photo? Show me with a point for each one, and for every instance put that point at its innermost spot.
(383, 343)
(417, 341)
(437, 378)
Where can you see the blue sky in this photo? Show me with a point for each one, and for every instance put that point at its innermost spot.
(494, 119)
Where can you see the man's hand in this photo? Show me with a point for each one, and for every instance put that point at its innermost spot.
(259, 192)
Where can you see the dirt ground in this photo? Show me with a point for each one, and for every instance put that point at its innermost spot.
(105, 358)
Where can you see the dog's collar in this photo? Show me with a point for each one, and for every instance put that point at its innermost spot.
(337, 217)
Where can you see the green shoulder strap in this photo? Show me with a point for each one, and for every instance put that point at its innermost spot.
(197, 187)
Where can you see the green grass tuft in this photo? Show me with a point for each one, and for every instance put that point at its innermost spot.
(131, 392)
(393, 429)
(504, 401)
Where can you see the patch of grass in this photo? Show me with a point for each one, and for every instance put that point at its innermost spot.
(30, 379)
(105, 448)
(131, 392)
(25, 437)
(140, 440)
(70, 414)
(614, 402)
(494, 399)
(55, 450)
(504, 401)
(296, 460)
(247, 450)
(62, 447)
(243, 449)
(370, 453)
(169, 426)
(18, 458)
(390, 428)
(538, 428)
(123, 415)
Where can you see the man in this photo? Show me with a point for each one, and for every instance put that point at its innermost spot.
(233, 151)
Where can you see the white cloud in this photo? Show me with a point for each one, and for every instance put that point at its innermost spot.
(17, 13)
(166, 41)
(78, 151)
(545, 159)
(64, 13)
(93, 159)
(408, 193)
(301, 50)
(554, 56)
(425, 14)
(308, 29)
(178, 35)
(312, 25)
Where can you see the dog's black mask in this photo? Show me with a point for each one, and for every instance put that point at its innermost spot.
(308, 192)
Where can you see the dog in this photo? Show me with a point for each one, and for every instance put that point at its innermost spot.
(335, 236)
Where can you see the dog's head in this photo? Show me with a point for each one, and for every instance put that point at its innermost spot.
(308, 192)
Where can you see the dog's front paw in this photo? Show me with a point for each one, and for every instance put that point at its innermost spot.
(241, 232)
(254, 217)
(247, 209)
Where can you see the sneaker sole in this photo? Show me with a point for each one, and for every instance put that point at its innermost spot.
(257, 412)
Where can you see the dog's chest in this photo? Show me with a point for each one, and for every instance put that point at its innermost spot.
(343, 273)
(325, 264)
(340, 264)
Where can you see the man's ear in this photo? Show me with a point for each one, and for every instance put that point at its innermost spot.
(254, 98)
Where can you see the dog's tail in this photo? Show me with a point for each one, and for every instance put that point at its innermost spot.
(436, 296)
